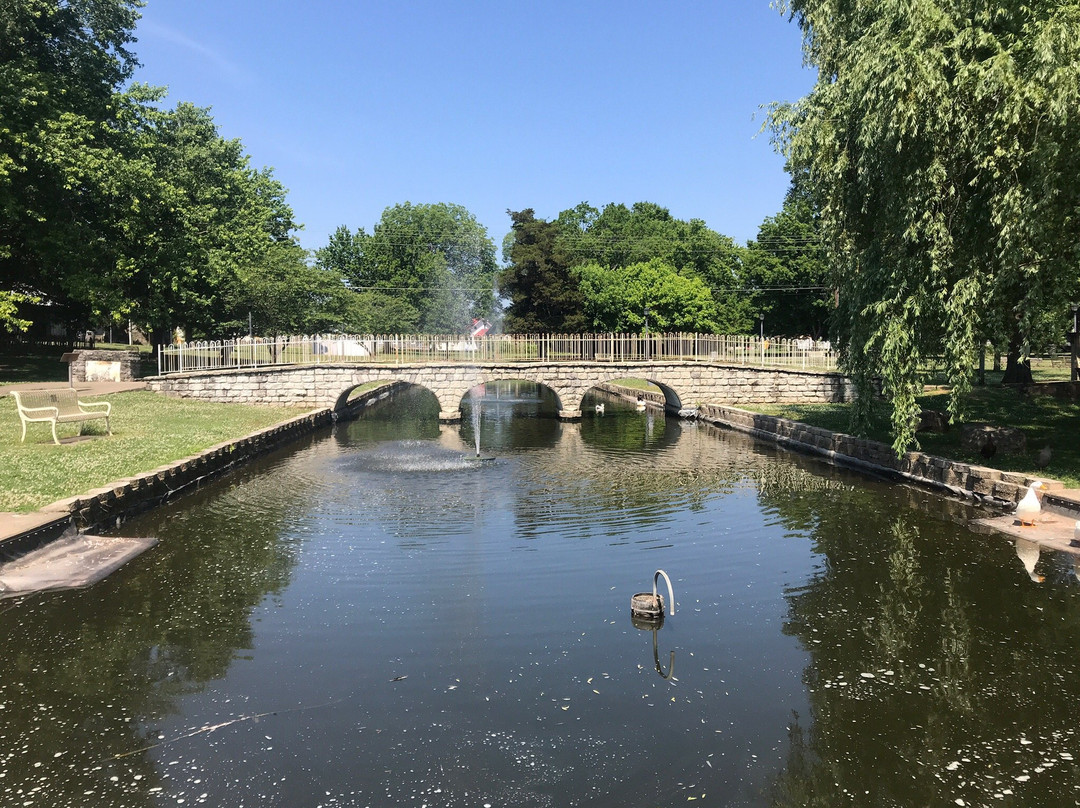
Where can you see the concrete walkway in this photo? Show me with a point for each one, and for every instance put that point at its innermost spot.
(86, 388)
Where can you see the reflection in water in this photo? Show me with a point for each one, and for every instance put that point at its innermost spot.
(932, 665)
(654, 626)
(366, 619)
(1028, 552)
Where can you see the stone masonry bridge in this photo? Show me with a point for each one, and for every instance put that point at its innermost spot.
(685, 384)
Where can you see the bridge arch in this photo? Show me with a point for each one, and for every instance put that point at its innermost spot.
(342, 401)
(454, 404)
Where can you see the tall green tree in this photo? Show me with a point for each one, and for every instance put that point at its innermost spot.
(112, 207)
(645, 295)
(786, 262)
(282, 293)
(620, 236)
(61, 67)
(431, 266)
(944, 139)
(544, 295)
(201, 215)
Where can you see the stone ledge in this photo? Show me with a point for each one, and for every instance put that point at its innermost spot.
(957, 478)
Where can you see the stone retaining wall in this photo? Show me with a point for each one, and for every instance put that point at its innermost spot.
(632, 393)
(961, 479)
(102, 508)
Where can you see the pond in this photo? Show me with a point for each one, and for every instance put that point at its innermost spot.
(374, 618)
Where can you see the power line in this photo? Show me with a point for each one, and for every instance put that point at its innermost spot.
(484, 289)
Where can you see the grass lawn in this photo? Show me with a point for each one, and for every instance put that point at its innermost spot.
(637, 384)
(149, 430)
(1045, 421)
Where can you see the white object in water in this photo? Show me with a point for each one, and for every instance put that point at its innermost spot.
(641, 406)
(1028, 509)
(1028, 552)
(600, 408)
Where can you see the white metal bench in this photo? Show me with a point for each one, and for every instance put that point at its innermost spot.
(58, 406)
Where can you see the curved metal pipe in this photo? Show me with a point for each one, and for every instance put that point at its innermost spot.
(671, 595)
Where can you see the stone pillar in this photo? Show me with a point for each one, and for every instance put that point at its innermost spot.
(569, 415)
(446, 417)
(103, 366)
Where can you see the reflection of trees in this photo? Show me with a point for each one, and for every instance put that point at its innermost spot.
(86, 676)
(966, 658)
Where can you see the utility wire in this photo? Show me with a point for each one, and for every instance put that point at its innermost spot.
(479, 289)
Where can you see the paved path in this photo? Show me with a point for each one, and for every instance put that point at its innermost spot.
(87, 388)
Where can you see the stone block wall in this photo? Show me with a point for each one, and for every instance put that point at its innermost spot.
(962, 479)
(104, 507)
(693, 383)
(104, 366)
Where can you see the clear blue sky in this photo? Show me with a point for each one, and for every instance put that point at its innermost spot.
(359, 106)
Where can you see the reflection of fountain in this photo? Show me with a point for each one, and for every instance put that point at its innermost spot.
(654, 626)
(476, 416)
(409, 456)
(656, 657)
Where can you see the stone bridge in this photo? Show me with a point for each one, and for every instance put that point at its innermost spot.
(685, 385)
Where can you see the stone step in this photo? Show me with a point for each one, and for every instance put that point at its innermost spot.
(73, 561)
(1065, 501)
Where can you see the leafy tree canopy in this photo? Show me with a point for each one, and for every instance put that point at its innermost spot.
(944, 140)
(545, 292)
(645, 295)
(60, 66)
(110, 206)
(426, 267)
(787, 263)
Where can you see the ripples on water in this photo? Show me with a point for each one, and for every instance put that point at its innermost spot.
(375, 618)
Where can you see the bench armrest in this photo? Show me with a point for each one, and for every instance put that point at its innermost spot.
(89, 404)
(30, 412)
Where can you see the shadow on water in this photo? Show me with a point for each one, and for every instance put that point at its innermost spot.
(367, 620)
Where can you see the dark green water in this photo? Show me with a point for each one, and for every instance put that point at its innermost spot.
(373, 619)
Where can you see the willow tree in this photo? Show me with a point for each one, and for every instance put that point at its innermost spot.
(944, 139)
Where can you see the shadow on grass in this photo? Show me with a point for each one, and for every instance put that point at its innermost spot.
(38, 367)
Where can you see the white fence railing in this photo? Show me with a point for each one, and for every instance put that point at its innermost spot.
(247, 352)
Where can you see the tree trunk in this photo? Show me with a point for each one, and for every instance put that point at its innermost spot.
(160, 336)
(1016, 372)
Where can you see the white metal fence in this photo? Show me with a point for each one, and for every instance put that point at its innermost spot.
(247, 352)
